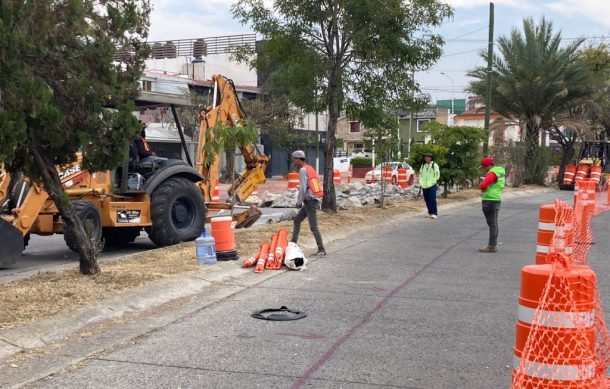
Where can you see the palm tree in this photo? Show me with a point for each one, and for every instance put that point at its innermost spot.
(534, 78)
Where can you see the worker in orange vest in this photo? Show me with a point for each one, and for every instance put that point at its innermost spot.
(143, 149)
(308, 200)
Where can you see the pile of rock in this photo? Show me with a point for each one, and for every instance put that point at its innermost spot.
(357, 195)
(348, 196)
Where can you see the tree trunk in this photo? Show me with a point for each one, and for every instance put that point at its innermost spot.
(532, 144)
(227, 177)
(87, 249)
(329, 201)
(445, 190)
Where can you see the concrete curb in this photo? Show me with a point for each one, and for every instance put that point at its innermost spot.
(145, 310)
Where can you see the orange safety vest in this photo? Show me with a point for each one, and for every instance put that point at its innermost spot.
(313, 181)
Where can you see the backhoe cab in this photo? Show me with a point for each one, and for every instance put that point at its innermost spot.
(593, 153)
(169, 199)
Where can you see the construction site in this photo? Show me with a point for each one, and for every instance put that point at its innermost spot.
(249, 210)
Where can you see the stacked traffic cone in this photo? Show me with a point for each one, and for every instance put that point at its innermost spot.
(262, 258)
(270, 256)
(546, 230)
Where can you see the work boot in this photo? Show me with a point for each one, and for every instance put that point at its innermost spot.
(488, 249)
(319, 253)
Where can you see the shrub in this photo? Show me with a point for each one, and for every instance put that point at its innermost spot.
(362, 162)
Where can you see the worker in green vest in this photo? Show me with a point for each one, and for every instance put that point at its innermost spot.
(429, 174)
(491, 188)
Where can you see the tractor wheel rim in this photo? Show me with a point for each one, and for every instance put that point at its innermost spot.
(183, 213)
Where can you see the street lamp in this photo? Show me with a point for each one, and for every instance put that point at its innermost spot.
(452, 91)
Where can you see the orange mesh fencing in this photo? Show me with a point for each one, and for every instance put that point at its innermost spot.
(585, 207)
(561, 337)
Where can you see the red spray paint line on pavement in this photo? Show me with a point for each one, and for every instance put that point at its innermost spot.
(378, 307)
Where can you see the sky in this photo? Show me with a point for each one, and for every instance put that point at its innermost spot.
(465, 34)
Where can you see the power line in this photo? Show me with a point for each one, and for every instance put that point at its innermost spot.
(461, 53)
(468, 33)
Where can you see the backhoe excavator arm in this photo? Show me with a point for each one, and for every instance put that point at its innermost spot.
(227, 110)
(5, 180)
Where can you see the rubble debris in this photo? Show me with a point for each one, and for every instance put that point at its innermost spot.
(349, 196)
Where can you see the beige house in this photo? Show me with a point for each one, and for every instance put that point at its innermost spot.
(352, 133)
(474, 116)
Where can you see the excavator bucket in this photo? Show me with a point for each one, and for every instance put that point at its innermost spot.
(247, 218)
(11, 244)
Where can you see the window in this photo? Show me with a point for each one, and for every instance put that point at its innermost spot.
(420, 122)
(358, 146)
(147, 85)
(354, 127)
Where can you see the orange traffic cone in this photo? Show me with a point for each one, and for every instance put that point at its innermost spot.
(558, 329)
(546, 230)
(271, 256)
(216, 193)
(262, 258)
(252, 260)
(280, 251)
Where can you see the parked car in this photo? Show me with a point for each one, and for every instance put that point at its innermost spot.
(375, 175)
(362, 153)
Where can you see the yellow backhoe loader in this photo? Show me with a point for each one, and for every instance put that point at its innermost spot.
(169, 199)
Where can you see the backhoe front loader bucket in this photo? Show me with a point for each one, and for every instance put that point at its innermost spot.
(11, 244)
(247, 218)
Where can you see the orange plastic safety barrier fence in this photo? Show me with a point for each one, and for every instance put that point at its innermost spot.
(561, 337)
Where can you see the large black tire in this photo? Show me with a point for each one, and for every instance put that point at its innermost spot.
(90, 217)
(178, 212)
(120, 237)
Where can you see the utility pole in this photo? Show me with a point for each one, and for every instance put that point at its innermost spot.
(452, 98)
(490, 55)
(411, 116)
(317, 138)
(317, 145)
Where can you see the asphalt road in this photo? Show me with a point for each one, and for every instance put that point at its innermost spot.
(411, 306)
(49, 252)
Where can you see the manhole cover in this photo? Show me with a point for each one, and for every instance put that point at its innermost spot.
(281, 314)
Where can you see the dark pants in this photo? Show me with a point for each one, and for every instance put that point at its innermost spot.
(308, 210)
(490, 210)
(430, 197)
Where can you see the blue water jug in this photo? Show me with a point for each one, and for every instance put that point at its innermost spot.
(206, 253)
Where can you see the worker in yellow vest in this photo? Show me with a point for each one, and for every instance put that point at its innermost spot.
(308, 200)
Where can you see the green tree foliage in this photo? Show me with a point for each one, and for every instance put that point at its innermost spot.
(278, 120)
(535, 77)
(223, 137)
(57, 74)
(381, 135)
(345, 53)
(459, 155)
(416, 159)
(596, 60)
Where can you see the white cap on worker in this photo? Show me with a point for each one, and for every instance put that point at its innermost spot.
(300, 154)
